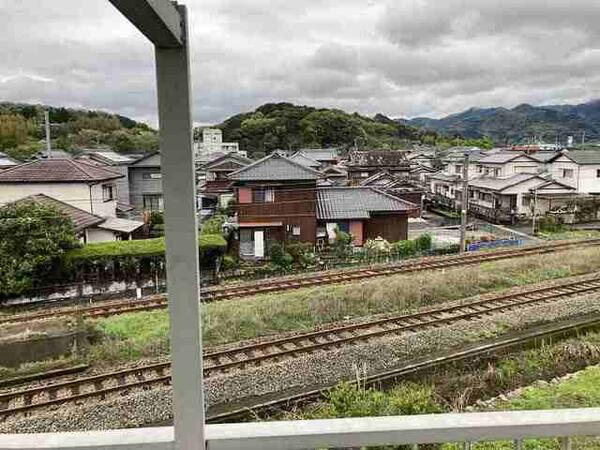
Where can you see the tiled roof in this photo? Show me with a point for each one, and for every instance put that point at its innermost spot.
(233, 157)
(384, 158)
(302, 158)
(499, 184)
(273, 168)
(443, 177)
(321, 154)
(584, 156)
(56, 171)
(337, 203)
(504, 157)
(81, 219)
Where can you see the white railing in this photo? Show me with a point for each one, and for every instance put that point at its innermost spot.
(335, 433)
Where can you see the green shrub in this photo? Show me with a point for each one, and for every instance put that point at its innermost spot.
(550, 224)
(350, 400)
(214, 225)
(342, 244)
(302, 254)
(377, 247)
(423, 242)
(404, 248)
(279, 258)
(229, 263)
(157, 218)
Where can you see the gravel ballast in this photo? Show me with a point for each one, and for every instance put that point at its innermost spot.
(327, 367)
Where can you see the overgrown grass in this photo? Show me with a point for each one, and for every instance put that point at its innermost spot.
(146, 334)
(38, 366)
(582, 391)
(570, 234)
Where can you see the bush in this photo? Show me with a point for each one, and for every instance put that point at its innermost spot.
(157, 218)
(229, 263)
(279, 258)
(302, 254)
(342, 244)
(404, 248)
(423, 243)
(550, 224)
(350, 400)
(377, 247)
(214, 225)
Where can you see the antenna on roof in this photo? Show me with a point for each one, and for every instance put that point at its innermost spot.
(48, 143)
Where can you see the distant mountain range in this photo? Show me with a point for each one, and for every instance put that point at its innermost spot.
(519, 124)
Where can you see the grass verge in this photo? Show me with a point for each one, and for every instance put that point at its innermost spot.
(145, 334)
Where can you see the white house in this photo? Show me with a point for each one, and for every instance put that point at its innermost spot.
(84, 186)
(579, 169)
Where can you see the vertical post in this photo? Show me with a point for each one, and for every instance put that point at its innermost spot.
(181, 234)
(47, 125)
(534, 213)
(464, 204)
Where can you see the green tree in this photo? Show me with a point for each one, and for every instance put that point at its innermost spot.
(32, 237)
(13, 131)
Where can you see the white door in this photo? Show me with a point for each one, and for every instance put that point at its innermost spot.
(259, 244)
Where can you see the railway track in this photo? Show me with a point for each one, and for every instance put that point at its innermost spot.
(275, 350)
(316, 279)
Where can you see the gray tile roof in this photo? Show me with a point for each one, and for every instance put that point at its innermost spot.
(274, 167)
(584, 156)
(321, 154)
(499, 184)
(504, 157)
(56, 171)
(339, 203)
(302, 158)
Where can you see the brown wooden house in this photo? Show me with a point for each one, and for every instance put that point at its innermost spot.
(364, 164)
(275, 201)
(278, 200)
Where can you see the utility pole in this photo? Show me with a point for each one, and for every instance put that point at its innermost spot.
(583, 139)
(464, 204)
(48, 143)
(534, 212)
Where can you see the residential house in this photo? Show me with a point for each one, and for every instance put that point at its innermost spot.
(277, 200)
(364, 164)
(216, 189)
(506, 164)
(403, 188)
(364, 212)
(118, 162)
(84, 186)
(302, 158)
(506, 199)
(145, 183)
(337, 174)
(579, 169)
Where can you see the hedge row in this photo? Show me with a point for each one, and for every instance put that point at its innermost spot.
(139, 248)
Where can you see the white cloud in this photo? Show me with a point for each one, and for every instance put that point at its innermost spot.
(399, 57)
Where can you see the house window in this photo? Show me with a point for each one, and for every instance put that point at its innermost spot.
(479, 168)
(597, 173)
(567, 173)
(496, 172)
(151, 176)
(108, 192)
(526, 201)
(153, 202)
(364, 174)
(296, 230)
(457, 169)
(263, 195)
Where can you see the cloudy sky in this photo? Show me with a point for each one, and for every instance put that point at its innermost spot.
(403, 58)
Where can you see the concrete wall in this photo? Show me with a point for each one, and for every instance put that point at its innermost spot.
(39, 348)
(99, 235)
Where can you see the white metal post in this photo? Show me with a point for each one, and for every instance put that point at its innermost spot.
(181, 234)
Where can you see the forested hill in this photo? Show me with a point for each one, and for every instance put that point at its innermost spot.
(22, 131)
(519, 124)
(287, 126)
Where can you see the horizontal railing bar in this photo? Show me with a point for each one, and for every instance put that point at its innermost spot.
(354, 432)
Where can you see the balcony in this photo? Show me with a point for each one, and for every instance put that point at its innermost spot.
(165, 24)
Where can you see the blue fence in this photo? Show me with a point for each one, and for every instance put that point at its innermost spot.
(493, 244)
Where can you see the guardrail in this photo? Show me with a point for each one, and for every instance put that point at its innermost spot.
(338, 433)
